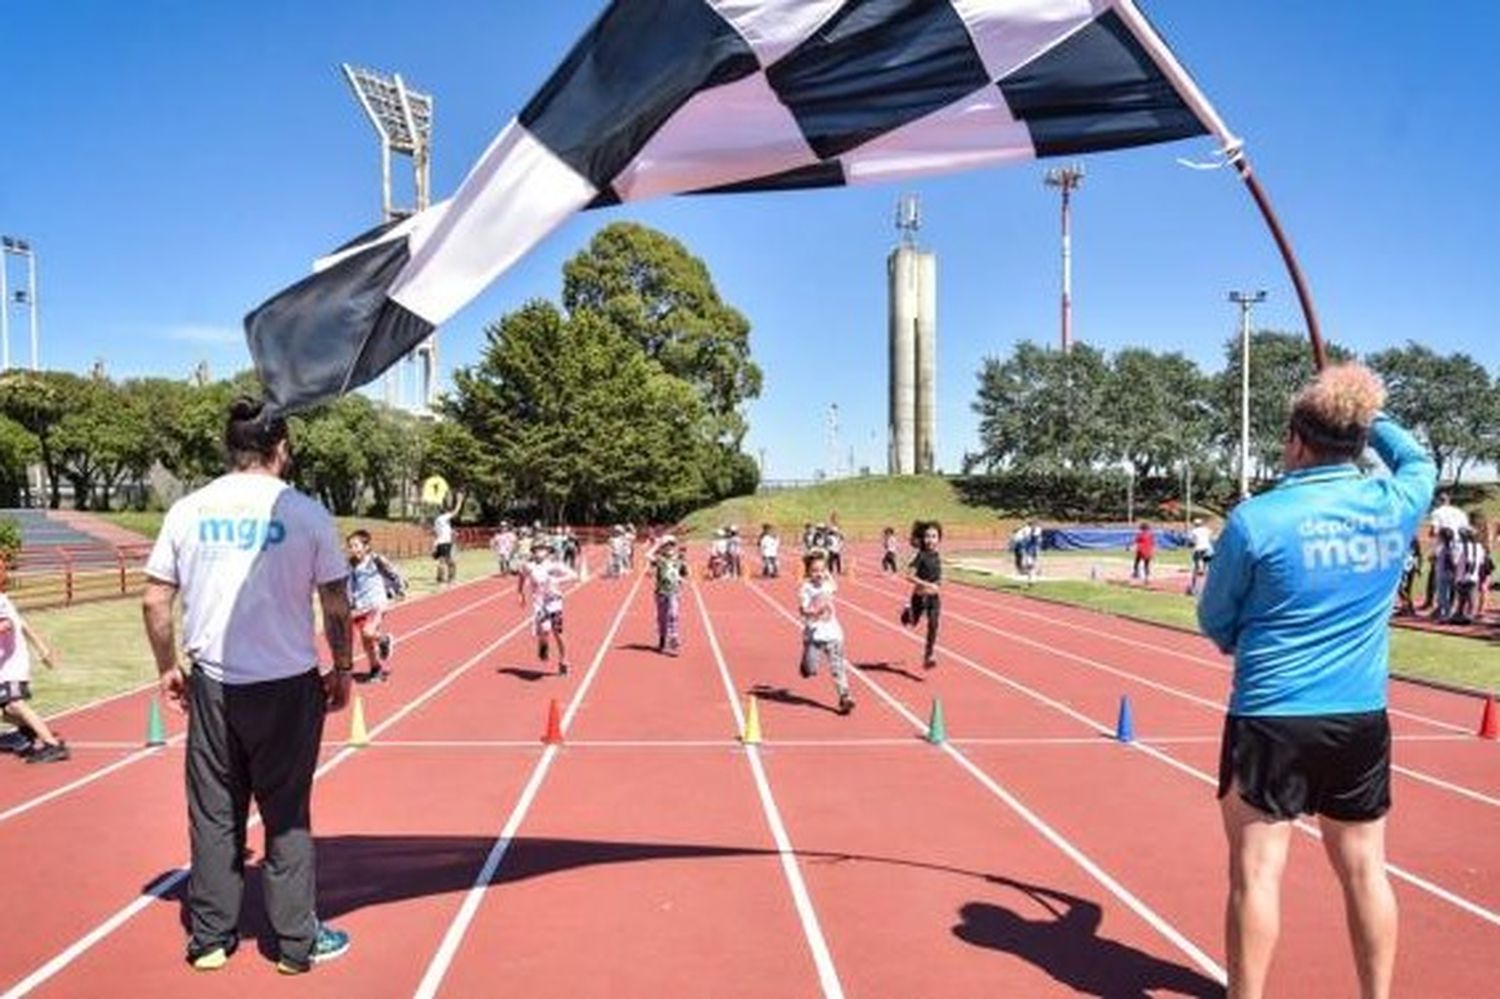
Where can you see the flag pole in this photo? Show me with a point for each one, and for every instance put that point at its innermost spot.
(1233, 150)
(1288, 256)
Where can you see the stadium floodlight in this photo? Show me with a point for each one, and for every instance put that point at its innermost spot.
(1247, 301)
(14, 246)
(402, 119)
(1067, 180)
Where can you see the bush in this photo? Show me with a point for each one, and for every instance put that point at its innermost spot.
(10, 540)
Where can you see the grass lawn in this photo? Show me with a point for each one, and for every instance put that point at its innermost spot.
(102, 645)
(1470, 662)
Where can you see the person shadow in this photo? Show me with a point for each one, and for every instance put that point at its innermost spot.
(781, 695)
(1065, 943)
(524, 673)
(890, 669)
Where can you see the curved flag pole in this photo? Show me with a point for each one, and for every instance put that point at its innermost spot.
(1233, 151)
(1304, 296)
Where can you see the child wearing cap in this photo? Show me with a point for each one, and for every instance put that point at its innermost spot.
(668, 570)
(544, 576)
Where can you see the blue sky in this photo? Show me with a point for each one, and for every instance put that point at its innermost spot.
(176, 162)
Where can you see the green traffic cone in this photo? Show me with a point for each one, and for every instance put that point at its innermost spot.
(937, 729)
(156, 733)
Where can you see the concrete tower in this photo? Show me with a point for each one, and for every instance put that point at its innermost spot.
(912, 275)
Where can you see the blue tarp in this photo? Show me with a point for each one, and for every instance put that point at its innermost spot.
(1101, 538)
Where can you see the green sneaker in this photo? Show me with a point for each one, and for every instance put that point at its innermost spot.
(214, 958)
(329, 944)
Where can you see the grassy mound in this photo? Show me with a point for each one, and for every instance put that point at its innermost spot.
(863, 506)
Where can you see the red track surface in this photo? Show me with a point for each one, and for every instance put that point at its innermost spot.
(655, 856)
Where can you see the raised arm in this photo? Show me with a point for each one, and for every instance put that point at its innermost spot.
(1413, 472)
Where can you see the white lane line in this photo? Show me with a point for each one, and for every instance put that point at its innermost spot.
(1400, 873)
(169, 881)
(1196, 954)
(1216, 707)
(812, 931)
(1007, 601)
(181, 738)
(442, 959)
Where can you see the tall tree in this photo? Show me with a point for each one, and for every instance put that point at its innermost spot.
(1280, 364)
(650, 289)
(1448, 400)
(1042, 410)
(1157, 406)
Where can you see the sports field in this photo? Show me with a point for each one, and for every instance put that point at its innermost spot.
(652, 854)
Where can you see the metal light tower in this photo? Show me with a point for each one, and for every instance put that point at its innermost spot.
(11, 246)
(1246, 300)
(1066, 179)
(833, 441)
(402, 119)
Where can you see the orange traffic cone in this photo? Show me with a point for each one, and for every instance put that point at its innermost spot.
(553, 735)
(1489, 722)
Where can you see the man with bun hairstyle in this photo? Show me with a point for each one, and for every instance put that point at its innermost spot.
(1303, 581)
(247, 553)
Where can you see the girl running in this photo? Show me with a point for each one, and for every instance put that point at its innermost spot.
(543, 576)
(373, 583)
(926, 575)
(822, 636)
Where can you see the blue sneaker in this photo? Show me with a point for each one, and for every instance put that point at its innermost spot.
(329, 944)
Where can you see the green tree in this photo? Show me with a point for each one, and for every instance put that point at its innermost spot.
(583, 424)
(38, 401)
(650, 289)
(1158, 410)
(105, 438)
(1042, 410)
(18, 450)
(1280, 364)
(1447, 400)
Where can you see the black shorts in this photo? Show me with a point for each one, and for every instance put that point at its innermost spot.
(14, 690)
(442, 552)
(1333, 765)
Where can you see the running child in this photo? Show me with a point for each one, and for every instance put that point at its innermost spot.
(32, 739)
(1203, 553)
(822, 636)
(668, 570)
(925, 571)
(888, 551)
(542, 580)
(834, 540)
(373, 583)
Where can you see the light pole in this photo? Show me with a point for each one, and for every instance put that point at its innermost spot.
(1066, 179)
(1246, 300)
(12, 246)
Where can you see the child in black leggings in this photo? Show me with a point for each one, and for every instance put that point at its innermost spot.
(926, 574)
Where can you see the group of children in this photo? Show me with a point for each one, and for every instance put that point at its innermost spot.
(542, 580)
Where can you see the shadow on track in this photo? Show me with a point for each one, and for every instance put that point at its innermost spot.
(781, 695)
(524, 673)
(1065, 943)
(891, 669)
(359, 872)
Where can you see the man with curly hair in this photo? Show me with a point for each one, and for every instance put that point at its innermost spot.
(1303, 581)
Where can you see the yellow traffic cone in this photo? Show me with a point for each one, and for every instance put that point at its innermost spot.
(751, 735)
(358, 734)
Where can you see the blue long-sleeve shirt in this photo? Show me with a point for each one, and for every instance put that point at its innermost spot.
(1304, 577)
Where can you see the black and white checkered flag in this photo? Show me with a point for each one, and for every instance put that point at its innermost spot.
(690, 96)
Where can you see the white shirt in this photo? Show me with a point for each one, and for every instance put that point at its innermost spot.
(1449, 516)
(770, 546)
(1202, 539)
(812, 597)
(15, 658)
(545, 580)
(247, 552)
(442, 529)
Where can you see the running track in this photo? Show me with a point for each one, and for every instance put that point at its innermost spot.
(654, 856)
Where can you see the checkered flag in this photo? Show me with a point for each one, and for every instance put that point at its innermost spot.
(709, 96)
